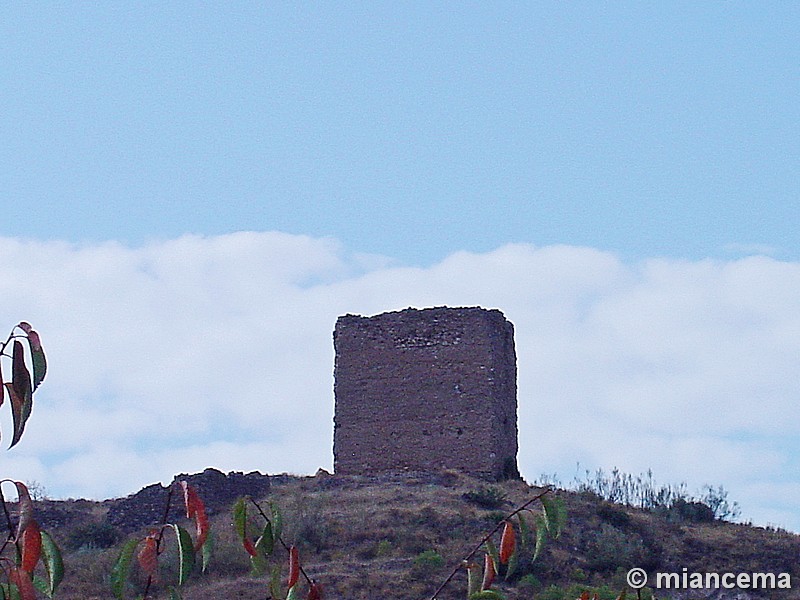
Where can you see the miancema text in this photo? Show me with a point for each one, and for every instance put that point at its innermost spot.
(697, 581)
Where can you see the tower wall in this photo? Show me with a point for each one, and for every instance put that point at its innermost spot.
(426, 390)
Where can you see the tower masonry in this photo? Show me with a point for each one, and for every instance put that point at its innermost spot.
(423, 390)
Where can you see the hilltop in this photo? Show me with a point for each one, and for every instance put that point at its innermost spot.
(399, 537)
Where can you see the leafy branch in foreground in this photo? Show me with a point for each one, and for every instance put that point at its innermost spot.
(263, 548)
(547, 523)
(29, 546)
(22, 385)
(150, 548)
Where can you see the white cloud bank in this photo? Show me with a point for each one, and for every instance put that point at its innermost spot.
(217, 351)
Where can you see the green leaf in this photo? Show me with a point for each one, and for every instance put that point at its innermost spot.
(41, 585)
(474, 577)
(53, 564)
(275, 586)
(491, 549)
(541, 536)
(294, 592)
(266, 542)
(174, 594)
(13, 592)
(37, 358)
(524, 530)
(513, 563)
(554, 514)
(258, 565)
(240, 517)
(185, 553)
(277, 521)
(206, 550)
(122, 568)
(547, 513)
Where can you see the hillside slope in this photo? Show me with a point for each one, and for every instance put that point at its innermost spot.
(398, 538)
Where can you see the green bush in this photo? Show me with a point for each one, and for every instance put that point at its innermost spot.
(529, 583)
(93, 536)
(490, 498)
(609, 548)
(428, 560)
(682, 511)
(614, 515)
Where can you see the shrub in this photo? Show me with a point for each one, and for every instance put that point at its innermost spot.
(93, 536)
(428, 560)
(610, 548)
(427, 563)
(717, 500)
(489, 498)
(529, 583)
(613, 515)
(690, 512)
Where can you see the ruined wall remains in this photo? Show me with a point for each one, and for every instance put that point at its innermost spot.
(426, 390)
(218, 491)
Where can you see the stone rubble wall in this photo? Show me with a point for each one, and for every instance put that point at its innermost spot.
(217, 490)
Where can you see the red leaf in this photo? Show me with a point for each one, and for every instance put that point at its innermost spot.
(248, 546)
(24, 584)
(20, 376)
(507, 543)
(25, 508)
(294, 566)
(314, 592)
(488, 573)
(148, 556)
(34, 340)
(25, 326)
(20, 392)
(195, 509)
(2, 388)
(31, 546)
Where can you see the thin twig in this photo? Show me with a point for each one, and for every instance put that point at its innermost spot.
(159, 537)
(11, 534)
(488, 536)
(280, 539)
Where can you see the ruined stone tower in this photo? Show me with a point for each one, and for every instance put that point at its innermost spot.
(426, 390)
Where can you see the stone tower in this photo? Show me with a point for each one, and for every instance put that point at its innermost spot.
(426, 390)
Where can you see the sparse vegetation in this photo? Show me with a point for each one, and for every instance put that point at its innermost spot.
(490, 498)
(93, 536)
(642, 491)
(407, 517)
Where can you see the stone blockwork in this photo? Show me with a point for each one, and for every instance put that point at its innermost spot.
(426, 390)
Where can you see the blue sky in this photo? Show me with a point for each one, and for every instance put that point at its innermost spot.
(412, 130)
(188, 189)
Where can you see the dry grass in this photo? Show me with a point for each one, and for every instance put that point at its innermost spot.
(360, 539)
